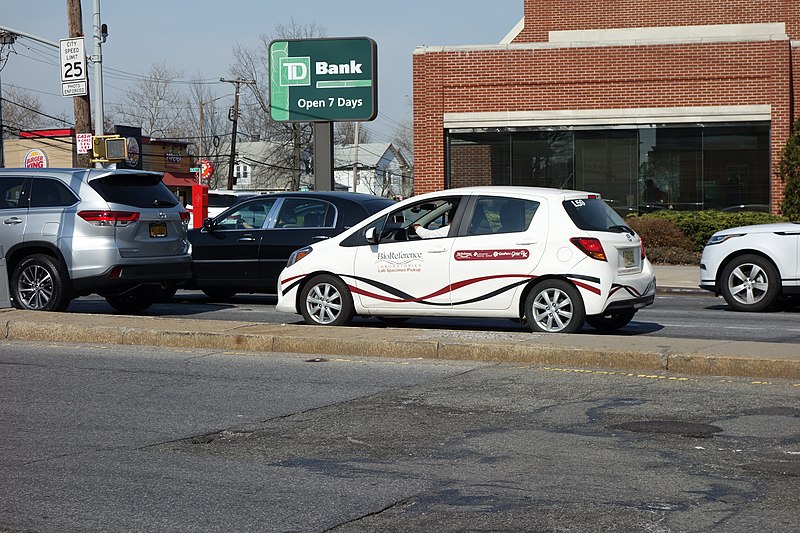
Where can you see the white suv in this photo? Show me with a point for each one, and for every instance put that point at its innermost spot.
(70, 232)
(555, 258)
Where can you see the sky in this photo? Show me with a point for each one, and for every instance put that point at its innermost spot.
(197, 37)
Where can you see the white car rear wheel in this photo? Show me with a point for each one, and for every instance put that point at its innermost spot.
(555, 306)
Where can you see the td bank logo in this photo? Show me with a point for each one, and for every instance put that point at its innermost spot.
(295, 71)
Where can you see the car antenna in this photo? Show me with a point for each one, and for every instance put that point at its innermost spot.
(567, 180)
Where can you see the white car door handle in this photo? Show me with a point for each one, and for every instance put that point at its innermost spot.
(526, 243)
(320, 237)
(12, 220)
(437, 250)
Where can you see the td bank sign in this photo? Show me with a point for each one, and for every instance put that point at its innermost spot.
(323, 80)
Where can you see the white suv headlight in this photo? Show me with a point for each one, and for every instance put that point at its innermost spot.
(717, 239)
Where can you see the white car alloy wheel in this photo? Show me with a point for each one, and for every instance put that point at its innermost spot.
(749, 283)
(326, 301)
(555, 306)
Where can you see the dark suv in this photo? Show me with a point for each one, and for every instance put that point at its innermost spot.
(71, 232)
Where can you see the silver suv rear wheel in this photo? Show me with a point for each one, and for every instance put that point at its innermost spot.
(38, 284)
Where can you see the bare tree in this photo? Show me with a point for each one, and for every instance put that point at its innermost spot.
(155, 104)
(22, 111)
(207, 116)
(345, 133)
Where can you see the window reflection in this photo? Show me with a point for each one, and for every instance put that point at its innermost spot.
(719, 166)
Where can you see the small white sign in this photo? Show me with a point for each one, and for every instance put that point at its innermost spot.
(84, 141)
(73, 67)
(74, 88)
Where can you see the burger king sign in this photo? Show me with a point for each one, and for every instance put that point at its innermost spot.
(35, 159)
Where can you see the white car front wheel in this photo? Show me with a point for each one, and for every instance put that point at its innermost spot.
(326, 301)
(750, 283)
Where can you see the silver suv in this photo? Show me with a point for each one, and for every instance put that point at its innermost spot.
(71, 232)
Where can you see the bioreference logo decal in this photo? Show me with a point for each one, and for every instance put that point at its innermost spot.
(399, 261)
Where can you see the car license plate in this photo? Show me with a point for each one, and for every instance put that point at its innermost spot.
(629, 261)
(628, 257)
(158, 229)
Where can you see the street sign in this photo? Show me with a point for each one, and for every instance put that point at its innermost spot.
(323, 80)
(84, 142)
(194, 169)
(73, 67)
(206, 169)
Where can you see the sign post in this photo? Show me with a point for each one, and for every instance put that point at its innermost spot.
(73, 67)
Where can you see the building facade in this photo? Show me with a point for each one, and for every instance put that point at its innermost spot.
(681, 104)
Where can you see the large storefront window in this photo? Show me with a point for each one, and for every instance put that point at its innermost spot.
(635, 169)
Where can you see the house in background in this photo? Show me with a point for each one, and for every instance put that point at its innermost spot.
(268, 166)
(373, 168)
(262, 166)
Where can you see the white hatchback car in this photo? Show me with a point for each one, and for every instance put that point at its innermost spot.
(752, 266)
(555, 258)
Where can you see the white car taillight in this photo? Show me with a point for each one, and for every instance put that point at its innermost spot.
(590, 246)
(109, 218)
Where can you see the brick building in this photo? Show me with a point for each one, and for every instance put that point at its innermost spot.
(684, 104)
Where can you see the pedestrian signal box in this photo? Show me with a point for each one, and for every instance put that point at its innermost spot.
(109, 148)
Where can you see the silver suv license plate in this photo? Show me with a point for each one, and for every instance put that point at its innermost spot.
(158, 229)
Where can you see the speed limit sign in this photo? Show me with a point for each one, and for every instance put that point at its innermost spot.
(73, 67)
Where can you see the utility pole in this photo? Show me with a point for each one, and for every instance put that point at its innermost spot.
(99, 34)
(6, 38)
(234, 118)
(83, 121)
(355, 158)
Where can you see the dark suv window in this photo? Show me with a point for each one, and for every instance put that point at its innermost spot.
(593, 214)
(306, 213)
(138, 190)
(51, 193)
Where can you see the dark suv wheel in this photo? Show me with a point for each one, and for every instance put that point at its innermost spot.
(135, 300)
(38, 284)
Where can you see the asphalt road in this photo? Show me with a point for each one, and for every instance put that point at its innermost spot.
(674, 315)
(115, 438)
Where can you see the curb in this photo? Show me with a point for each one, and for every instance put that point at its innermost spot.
(606, 352)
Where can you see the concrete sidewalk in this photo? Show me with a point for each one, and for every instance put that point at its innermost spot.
(678, 278)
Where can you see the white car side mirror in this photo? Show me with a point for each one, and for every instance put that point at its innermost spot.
(370, 235)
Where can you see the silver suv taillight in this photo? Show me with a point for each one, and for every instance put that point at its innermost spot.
(109, 218)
